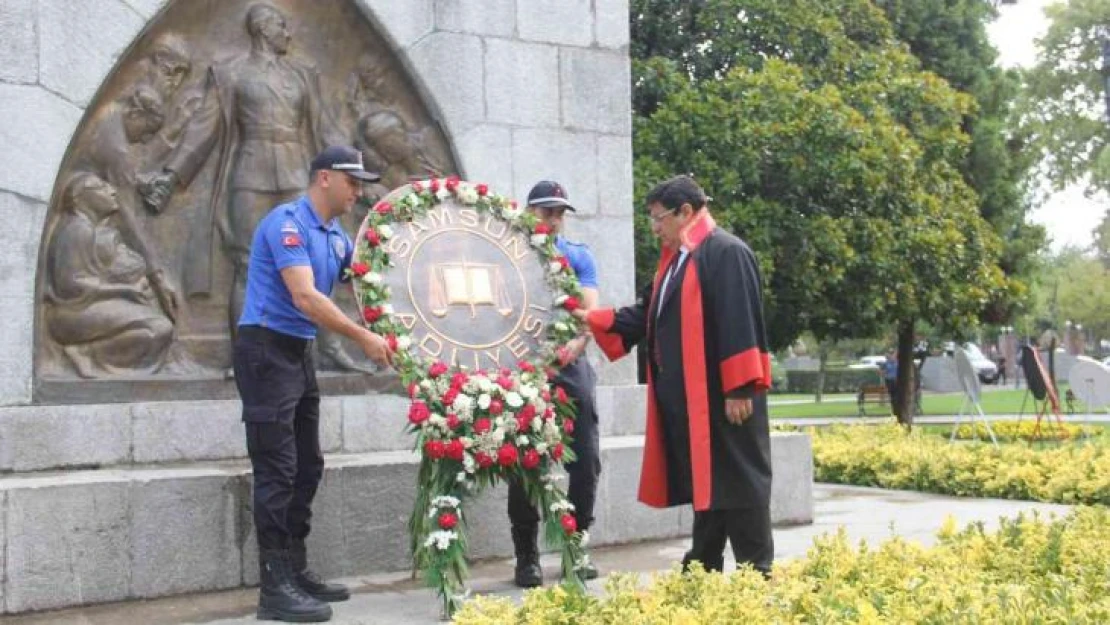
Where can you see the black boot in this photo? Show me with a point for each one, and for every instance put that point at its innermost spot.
(310, 582)
(528, 572)
(280, 598)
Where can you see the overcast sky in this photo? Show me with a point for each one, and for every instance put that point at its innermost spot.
(1068, 216)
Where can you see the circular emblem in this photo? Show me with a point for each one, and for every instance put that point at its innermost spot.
(472, 280)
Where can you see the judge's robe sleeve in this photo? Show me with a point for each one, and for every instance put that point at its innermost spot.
(617, 330)
(737, 309)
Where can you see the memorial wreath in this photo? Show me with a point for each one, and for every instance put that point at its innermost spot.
(474, 428)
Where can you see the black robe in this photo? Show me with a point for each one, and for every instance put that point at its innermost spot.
(708, 343)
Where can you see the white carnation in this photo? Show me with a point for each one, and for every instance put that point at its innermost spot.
(541, 448)
(441, 539)
(387, 309)
(522, 441)
(404, 342)
(469, 465)
(443, 193)
(554, 268)
(485, 386)
(484, 401)
(538, 240)
(529, 392)
(384, 231)
(561, 327)
(463, 403)
(425, 384)
(466, 193)
(537, 424)
(514, 399)
(372, 277)
(561, 299)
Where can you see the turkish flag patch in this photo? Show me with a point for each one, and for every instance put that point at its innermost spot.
(291, 240)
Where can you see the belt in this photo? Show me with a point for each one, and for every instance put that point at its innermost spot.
(271, 133)
(286, 342)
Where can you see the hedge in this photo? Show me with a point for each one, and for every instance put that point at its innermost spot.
(1031, 570)
(836, 380)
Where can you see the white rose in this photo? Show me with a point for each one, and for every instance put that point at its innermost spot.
(484, 401)
(538, 240)
(514, 399)
(541, 448)
(387, 309)
(561, 299)
(443, 193)
(425, 384)
(469, 465)
(373, 277)
(537, 424)
(404, 342)
(384, 231)
(561, 327)
(521, 441)
(554, 268)
(467, 194)
(463, 403)
(485, 386)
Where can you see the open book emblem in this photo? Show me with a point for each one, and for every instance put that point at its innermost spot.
(464, 283)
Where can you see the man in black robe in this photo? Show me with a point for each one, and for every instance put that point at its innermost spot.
(707, 441)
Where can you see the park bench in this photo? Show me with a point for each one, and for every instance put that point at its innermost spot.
(872, 394)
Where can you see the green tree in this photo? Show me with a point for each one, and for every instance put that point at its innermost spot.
(1102, 240)
(1075, 286)
(949, 37)
(1064, 101)
(828, 149)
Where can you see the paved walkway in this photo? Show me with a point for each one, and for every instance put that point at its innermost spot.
(1075, 419)
(866, 514)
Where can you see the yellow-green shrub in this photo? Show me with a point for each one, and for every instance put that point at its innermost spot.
(1029, 571)
(1026, 431)
(889, 457)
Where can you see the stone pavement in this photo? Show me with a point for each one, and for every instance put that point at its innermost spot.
(865, 513)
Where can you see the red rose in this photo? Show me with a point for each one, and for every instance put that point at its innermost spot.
(418, 412)
(433, 185)
(483, 189)
(459, 379)
(568, 426)
(552, 373)
(451, 183)
(523, 423)
(496, 407)
(437, 369)
(372, 237)
(455, 450)
(452, 421)
(414, 388)
(383, 208)
(434, 449)
(560, 395)
(482, 426)
(372, 313)
(391, 341)
(570, 526)
(450, 396)
(531, 459)
(528, 412)
(417, 187)
(360, 269)
(507, 455)
(485, 461)
(571, 303)
(548, 414)
(448, 521)
(542, 228)
(505, 383)
(546, 396)
(564, 262)
(506, 372)
(526, 366)
(557, 452)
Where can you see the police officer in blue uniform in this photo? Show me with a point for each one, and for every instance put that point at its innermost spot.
(548, 201)
(297, 254)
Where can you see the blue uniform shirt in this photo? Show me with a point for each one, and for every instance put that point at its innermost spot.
(581, 260)
(292, 235)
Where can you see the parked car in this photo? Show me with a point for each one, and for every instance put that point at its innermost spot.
(1106, 362)
(869, 362)
(985, 367)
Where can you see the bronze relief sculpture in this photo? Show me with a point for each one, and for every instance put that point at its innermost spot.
(205, 125)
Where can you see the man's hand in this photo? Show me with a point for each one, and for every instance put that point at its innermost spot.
(376, 348)
(580, 314)
(738, 410)
(157, 190)
(572, 350)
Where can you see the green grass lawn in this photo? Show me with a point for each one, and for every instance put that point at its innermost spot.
(993, 402)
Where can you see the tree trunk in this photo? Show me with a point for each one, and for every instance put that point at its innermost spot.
(906, 374)
(823, 358)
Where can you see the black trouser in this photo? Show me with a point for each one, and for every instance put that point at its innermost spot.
(276, 377)
(748, 530)
(580, 382)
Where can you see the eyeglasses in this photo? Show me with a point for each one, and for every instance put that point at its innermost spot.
(659, 218)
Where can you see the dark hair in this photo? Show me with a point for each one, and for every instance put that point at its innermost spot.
(675, 192)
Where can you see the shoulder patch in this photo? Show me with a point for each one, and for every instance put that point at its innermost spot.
(291, 240)
(289, 226)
